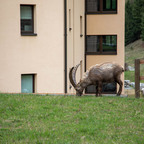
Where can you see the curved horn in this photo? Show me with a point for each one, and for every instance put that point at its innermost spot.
(74, 72)
(72, 75)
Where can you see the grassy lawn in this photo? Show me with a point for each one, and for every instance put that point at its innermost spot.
(71, 120)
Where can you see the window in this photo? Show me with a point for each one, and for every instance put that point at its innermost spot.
(27, 19)
(27, 83)
(108, 88)
(109, 5)
(101, 44)
(101, 6)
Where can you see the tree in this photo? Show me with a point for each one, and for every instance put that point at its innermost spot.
(142, 27)
(137, 17)
(129, 31)
(134, 20)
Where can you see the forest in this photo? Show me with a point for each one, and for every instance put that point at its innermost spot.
(134, 21)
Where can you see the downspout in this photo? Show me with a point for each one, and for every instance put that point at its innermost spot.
(65, 43)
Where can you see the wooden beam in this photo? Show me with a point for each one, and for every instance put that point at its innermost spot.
(141, 61)
(137, 78)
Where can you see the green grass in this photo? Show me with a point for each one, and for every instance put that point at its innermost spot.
(130, 75)
(71, 120)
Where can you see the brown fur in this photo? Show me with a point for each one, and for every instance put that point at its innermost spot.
(99, 74)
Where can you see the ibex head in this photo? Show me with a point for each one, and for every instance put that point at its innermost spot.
(72, 76)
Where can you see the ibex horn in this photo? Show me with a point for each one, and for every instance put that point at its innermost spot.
(72, 75)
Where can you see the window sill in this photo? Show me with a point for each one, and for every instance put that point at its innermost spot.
(104, 12)
(106, 53)
(28, 34)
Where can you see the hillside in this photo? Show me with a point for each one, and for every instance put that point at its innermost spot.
(129, 0)
(134, 51)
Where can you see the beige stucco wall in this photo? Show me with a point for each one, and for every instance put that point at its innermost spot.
(107, 24)
(75, 47)
(42, 55)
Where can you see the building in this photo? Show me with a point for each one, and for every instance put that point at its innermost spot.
(40, 41)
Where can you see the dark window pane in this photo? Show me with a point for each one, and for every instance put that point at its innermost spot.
(109, 44)
(26, 25)
(26, 12)
(114, 4)
(107, 88)
(92, 5)
(93, 44)
(26, 18)
(109, 5)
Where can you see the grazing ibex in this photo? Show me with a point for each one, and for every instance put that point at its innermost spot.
(97, 75)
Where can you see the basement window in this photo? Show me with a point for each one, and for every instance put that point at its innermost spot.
(101, 6)
(108, 88)
(28, 83)
(101, 44)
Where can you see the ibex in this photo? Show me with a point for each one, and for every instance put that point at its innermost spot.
(97, 75)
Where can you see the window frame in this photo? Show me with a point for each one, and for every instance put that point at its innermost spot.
(100, 46)
(102, 11)
(28, 33)
(33, 81)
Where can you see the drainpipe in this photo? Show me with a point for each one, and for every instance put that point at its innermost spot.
(65, 42)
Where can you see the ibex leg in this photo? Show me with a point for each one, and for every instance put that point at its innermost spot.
(120, 87)
(99, 88)
(96, 90)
